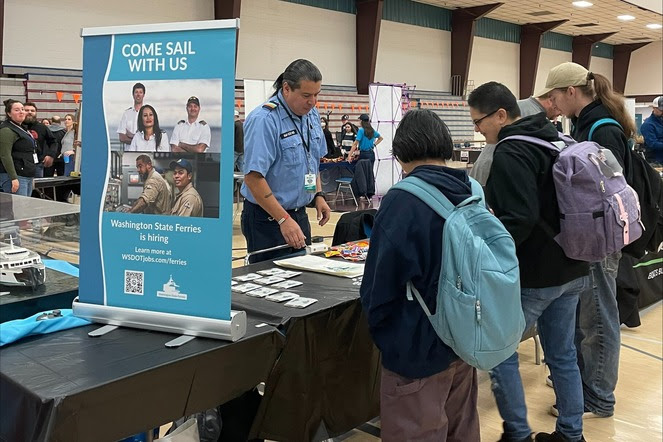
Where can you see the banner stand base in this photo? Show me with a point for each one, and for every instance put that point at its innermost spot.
(231, 330)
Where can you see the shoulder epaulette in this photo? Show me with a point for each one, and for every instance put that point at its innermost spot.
(203, 122)
(270, 105)
(130, 107)
(181, 121)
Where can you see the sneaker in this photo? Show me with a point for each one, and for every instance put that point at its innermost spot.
(586, 415)
(526, 439)
(554, 437)
(549, 381)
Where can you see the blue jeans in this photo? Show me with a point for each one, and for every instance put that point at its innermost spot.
(598, 337)
(70, 165)
(24, 185)
(554, 309)
(367, 155)
(239, 162)
(39, 170)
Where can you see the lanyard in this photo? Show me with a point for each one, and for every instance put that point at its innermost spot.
(29, 135)
(306, 144)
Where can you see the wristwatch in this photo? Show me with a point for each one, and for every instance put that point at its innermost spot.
(317, 194)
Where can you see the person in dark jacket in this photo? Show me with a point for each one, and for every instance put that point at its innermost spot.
(332, 150)
(47, 146)
(239, 143)
(427, 392)
(521, 192)
(17, 151)
(652, 132)
(58, 131)
(588, 97)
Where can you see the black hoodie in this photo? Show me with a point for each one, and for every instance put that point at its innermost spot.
(608, 135)
(521, 191)
(46, 143)
(406, 245)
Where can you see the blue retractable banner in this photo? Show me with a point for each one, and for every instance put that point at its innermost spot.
(158, 238)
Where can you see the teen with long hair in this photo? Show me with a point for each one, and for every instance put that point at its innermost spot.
(587, 97)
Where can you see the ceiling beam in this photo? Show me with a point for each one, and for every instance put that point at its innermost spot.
(643, 98)
(531, 36)
(462, 39)
(621, 58)
(367, 25)
(582, 47)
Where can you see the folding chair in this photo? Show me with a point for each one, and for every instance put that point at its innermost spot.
(344, 184)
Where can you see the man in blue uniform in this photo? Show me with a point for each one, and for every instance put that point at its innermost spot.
(283, 144)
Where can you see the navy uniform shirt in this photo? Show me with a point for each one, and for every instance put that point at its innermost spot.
(274, 148)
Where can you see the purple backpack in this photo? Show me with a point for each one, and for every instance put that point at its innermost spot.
(599, 212)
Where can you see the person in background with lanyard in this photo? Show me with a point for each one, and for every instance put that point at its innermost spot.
(283, 144)
(18, 154)
(47, 145)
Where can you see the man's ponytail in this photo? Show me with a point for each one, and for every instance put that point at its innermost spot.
(278, 85)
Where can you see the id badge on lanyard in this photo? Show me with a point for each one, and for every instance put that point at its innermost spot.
(35, 157)
(309, 183)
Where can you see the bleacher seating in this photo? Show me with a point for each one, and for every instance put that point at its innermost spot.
(52, 90)
(54, 94)
(453, 110)
(13, 88)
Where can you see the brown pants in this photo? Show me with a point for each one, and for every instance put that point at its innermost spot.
(439, 408)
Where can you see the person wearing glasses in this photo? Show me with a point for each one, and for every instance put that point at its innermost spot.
(521, 192)
(529, 106)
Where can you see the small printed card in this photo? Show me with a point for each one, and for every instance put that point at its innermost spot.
(283, 296)
(275, 271)
(289, 274)
(248, 277)
(243, 288)
(269, 280)
(261, 292)
(300, 302)
(287, 284)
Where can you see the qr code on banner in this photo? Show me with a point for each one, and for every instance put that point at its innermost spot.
(133, 282)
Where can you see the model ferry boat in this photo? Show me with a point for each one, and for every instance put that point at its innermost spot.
(20, 266)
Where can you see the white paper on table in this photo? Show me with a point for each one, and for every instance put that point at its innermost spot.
(323, 265)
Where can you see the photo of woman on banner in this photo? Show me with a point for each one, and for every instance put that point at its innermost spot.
(149, 136)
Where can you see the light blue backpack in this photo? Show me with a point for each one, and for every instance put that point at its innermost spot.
(478, 313)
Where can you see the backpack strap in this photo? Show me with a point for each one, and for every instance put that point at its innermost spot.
(433, 197)
(410, 290)
(603, 122)
(537, 141)
(477, 190)
(441, 205)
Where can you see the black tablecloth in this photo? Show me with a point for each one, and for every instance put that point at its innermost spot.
(319, 364)
(473, 154)
(40, 183)
(330, 172)
(69, 387)
(327, 379)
